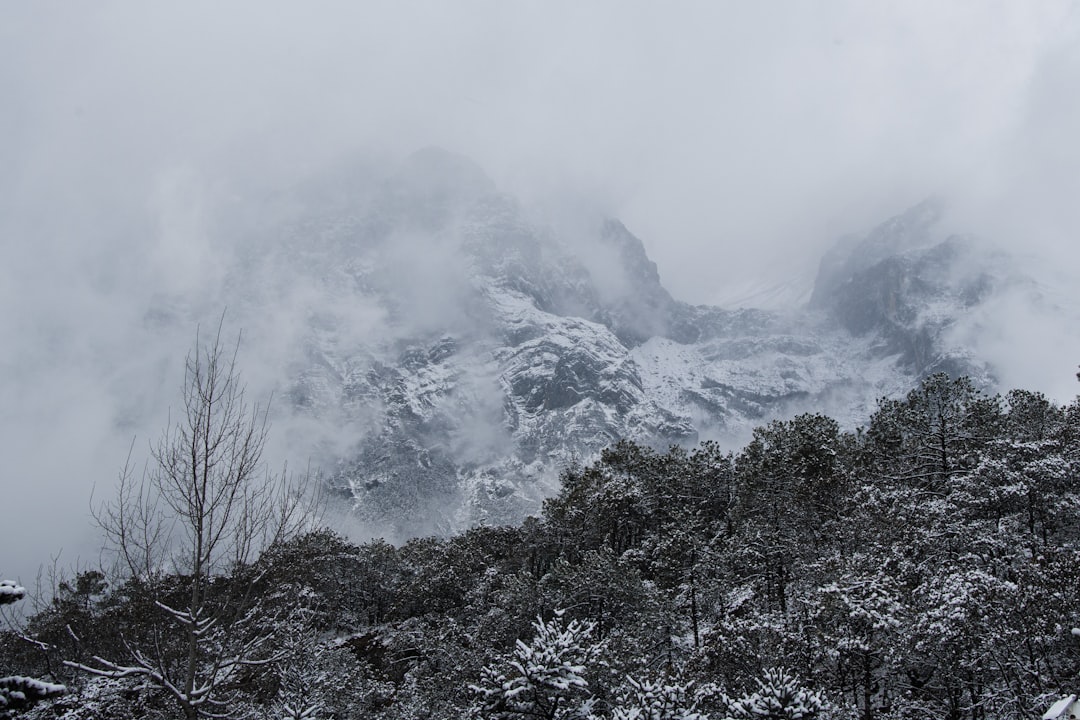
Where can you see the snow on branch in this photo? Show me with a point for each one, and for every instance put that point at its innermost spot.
(11, 592)
(17, 691)
(547, 675)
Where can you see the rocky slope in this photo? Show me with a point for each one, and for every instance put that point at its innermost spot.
(471, 352)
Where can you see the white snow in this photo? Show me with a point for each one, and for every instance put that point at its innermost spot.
(10, 592)
(1058, 709)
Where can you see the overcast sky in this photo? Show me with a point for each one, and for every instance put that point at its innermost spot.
(737, 139)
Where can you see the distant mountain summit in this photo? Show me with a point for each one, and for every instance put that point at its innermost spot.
(499, 351)
(905, 285)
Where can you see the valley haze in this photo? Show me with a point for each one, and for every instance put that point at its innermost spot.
(149, 153)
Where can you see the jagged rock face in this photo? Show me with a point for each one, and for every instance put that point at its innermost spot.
(906, 286)
(908, 232)
(501, 352)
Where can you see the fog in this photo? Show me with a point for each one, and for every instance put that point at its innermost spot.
(738, 140)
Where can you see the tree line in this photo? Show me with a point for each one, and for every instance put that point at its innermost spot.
(924, 566)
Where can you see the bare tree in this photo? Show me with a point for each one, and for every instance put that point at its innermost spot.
(187, 534)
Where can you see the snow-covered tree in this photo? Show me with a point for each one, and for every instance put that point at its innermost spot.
(935, 432)
(323, 680)
(660, 700)
(545, 678)
(785, 483)
(17, 691)
(200, 515)
(780, 696)
(858, 620)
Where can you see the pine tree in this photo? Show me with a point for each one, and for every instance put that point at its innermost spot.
(545, 678)
(779, 697)
(935, 432)
(661, 700)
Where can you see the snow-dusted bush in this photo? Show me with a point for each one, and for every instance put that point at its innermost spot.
(780, 696)
(658, 700)
(544, 678)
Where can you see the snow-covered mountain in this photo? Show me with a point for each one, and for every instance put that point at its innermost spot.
(467, 352)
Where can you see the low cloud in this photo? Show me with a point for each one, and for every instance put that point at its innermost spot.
(149, 151)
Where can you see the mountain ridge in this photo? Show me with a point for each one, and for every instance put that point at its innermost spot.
(501, 350)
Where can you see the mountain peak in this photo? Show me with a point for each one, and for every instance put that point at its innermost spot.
(520, 347)
(908, 231)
